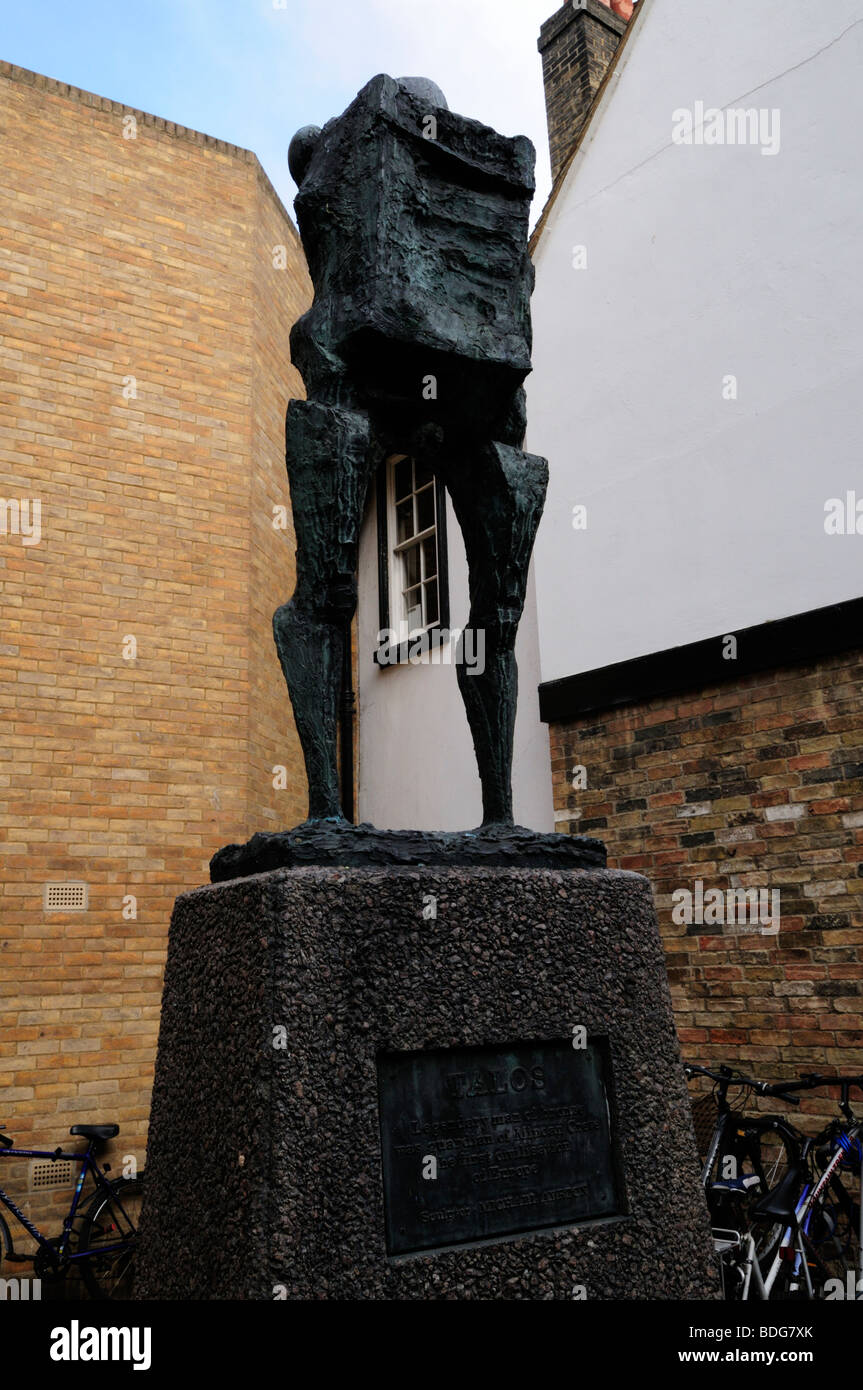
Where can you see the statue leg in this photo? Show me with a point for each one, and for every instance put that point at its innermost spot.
(498, 494)
(326, 452)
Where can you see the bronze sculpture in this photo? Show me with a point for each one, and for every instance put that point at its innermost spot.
(414, 222)
(415, 225)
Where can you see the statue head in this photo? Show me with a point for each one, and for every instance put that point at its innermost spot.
(425, 90)
(300, 151)
(305, 142)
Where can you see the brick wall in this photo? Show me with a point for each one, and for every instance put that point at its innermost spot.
(148, 258)
(577, 45)
(750, 785)
(282, 292)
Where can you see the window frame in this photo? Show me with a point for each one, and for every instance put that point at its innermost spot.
(386, 521)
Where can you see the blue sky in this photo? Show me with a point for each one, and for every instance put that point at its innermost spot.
(254, 71)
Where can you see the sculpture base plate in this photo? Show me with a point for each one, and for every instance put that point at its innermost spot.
(338, 844)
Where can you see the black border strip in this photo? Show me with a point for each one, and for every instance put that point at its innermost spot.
(442, 554)
(794, 641)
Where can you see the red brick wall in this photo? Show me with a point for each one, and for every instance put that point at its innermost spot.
(756, 784)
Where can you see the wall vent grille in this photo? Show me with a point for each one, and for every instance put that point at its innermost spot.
(65, 897)
(46, 1172)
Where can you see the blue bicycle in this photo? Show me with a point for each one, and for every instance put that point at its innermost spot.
(99, 1234)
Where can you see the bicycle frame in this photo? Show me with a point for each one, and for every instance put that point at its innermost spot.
(824, 1182)
(716, 1143)
(854, 1132)
(60, 1251)
(792, 1237)
(808, 1197)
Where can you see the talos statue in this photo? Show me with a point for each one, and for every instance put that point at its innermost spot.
(414, 222)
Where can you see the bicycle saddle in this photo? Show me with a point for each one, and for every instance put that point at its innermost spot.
(95, 1131)
(781, 1203)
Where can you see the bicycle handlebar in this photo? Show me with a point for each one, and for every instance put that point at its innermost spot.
(814, 1078)
(783, 1090)
(726, 1076)
(729, 1076)
(724, 1073)
(813, 1081)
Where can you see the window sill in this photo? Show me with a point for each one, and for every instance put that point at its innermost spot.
(422, 644)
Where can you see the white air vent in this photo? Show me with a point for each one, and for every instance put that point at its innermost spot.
(46, 1172)
(65, 897)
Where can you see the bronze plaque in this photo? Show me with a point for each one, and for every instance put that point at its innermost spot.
(483, 1142)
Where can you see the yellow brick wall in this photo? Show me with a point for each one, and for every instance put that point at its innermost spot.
(273, 738)
(146, 258)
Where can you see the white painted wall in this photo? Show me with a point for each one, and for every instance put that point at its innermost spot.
(417, 765)
(704, 515)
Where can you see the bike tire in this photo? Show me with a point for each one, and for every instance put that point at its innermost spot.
(106, 1219)
(6, 1246)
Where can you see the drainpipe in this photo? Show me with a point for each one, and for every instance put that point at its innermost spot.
(346, 721)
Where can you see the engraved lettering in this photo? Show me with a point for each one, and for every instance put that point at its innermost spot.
(521, 1134)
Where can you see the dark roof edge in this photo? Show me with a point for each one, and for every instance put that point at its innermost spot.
(784, 642)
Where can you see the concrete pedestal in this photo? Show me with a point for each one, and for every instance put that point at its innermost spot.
(286, 993)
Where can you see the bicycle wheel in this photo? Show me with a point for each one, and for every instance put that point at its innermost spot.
(6, 1246)
(111, 1221)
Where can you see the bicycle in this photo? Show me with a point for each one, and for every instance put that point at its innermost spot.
(791, 1236)
(103, 1245)
(735, 1197)
(823, 1212)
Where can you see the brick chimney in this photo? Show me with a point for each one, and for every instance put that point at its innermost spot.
(577, 45)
